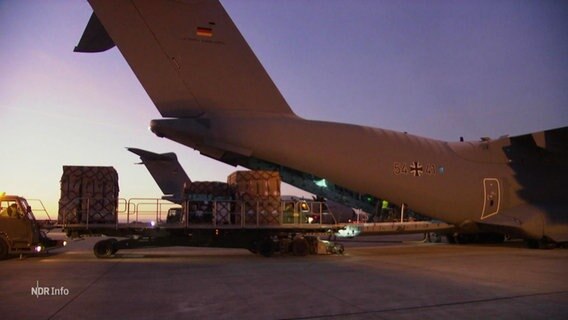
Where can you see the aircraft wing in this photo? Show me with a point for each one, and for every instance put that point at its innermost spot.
(188, 55)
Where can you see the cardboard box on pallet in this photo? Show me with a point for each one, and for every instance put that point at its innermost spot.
(88, 194)
(259, 183)
(258, 195)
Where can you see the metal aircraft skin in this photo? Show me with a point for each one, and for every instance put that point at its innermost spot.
(216, 97)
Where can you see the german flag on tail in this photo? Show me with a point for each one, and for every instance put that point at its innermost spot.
(204, 32)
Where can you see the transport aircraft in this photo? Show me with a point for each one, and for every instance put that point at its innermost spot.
(216, 97)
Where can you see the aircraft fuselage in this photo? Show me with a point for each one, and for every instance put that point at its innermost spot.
(461, 182)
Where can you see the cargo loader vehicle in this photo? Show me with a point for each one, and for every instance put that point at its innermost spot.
(246, 212)
(20, 232)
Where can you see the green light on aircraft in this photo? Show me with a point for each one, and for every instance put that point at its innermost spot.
(321, 183)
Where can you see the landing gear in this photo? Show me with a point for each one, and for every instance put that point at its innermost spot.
(432, 237)
(467, 238)
(540, 244)
(460, 238)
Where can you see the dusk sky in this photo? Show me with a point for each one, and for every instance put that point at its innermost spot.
(441, 69)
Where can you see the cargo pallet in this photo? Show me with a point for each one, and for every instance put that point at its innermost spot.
(263, 228)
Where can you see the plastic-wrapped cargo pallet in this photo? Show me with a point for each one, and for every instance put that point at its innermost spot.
(257, 191)
(88, 194)
(202, 193)
(212, 189)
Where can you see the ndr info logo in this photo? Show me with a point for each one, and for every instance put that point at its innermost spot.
(49, 291)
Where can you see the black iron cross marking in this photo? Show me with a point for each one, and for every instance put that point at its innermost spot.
(416, 169)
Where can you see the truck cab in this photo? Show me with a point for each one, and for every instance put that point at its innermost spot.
(19, 231)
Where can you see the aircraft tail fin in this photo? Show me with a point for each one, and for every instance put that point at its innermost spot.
(189, 56)
(166, 171)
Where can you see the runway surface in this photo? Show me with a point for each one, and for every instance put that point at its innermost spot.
(382, 278)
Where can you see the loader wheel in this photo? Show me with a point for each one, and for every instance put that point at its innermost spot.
(300, 247)
(114, 246)
(104, 248)
(266, 247)
(3, 249)
(338, 248)
(253, 247)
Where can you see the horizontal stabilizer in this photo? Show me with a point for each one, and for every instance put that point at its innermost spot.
(554, 140)
(95, 38)
(548, 147)
(147, 155)
(166, 170)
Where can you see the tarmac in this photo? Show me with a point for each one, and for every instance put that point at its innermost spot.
(389, 277)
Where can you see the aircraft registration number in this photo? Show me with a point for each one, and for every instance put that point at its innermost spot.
(416, 169)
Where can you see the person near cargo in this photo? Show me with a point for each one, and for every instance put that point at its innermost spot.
(289, 213)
